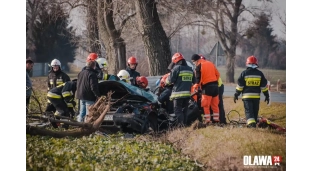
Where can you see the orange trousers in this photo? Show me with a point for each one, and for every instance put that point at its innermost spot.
(208, 101)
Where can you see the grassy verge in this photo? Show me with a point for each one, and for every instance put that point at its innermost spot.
(210, 148)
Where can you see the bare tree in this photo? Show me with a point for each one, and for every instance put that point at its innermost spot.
(110, 32)
(92, 28)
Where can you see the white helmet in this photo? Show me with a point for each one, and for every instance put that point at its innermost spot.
(55, 62)
(102, 63)
(124, 76)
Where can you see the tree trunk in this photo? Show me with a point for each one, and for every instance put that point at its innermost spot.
(120, 53)
(156, 42)
(92, 28)
(114, 44)
(230, 65)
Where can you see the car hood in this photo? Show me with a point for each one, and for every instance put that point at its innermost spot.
(120, 89)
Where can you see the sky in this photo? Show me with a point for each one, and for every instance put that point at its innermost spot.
(279, 7)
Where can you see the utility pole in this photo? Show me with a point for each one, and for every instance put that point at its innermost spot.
(217, 49)
(197, 39)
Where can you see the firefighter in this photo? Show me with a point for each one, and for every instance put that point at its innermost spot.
(56, 77)
(132, 64)
(250, 83)
(165, 91)
(182, 78)
(207, 77)
(142, 82)
(94, 57)
(62, 98)
(102, 62)
(124, 76)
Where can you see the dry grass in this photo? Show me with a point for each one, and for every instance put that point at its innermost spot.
(223, 148)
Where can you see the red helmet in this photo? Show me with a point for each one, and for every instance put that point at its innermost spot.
(142, 81)
(251, 60)
(202, 56)
(163, 80)
(92, 57)
(132, 60)
(177, 57)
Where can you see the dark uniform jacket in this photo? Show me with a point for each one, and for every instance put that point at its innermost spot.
(65, 91)
(250, 83)
(133, 75)
(182, 78)
(56, 78)
(87, 85)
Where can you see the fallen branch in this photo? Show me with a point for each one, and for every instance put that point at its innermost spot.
(92, 123)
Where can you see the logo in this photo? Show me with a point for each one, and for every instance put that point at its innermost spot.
(262, 161)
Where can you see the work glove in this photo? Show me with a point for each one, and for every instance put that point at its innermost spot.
(267, 99)
(236, 97)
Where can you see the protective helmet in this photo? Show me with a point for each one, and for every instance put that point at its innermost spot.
(124, 76)
(55, 62)
(251, 60)
(102, 63)
(92, 57)
(164, 80)
(132, 60)
(177, 57)
(202, 56)
(142, 81)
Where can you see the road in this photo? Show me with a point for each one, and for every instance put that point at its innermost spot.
(229, 91)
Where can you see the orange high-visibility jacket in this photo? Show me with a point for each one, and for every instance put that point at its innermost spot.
(208, 72)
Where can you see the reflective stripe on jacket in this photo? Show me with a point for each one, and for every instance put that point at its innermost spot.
(182, 78)
(57, 78)
(250, 83)
(65, 91)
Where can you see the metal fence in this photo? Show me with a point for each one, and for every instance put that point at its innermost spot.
(40, 69)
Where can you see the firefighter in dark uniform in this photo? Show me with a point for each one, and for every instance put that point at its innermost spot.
(56, 77)
(62, 98)
(182, 78)
(132, 64)
(250, 83)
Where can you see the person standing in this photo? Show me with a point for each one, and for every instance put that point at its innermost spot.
(221, 106)
(132, 64)
(87, 89)
(29, 66)
(250, 83)
(182, 78)
(221, 91)
(207, 77)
